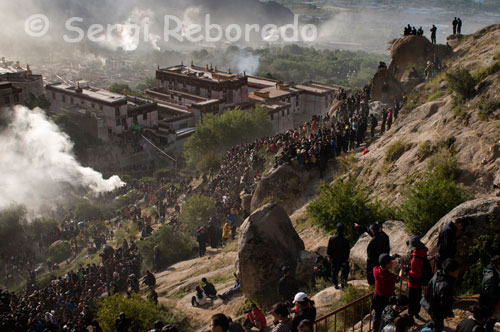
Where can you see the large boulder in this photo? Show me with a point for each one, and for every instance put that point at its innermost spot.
(267, 242)
(59, 251)
(414, 52)
(396, 231)
(328, 297)
(285, 184)
(385, 87)
(483, 215)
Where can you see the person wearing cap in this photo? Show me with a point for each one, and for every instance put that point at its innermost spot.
(385, 286)
(304, 309)
(287, 285)
(255, 318)
(418, 255)
(338, 255)
(438, 299)
(447, 241)
(379, 244)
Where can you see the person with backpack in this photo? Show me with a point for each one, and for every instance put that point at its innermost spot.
(438, 299)
(419, 274)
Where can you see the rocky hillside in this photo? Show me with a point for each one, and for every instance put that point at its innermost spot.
(432, 121)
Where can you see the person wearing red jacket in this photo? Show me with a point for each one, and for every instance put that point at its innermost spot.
(418, 254)
(385, 286)
(255, 318)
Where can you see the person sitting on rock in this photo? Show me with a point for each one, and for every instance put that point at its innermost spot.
(397, 304)
(233, 290)
(255, 318)
(209, 288)
(322, 268)
(200, 298)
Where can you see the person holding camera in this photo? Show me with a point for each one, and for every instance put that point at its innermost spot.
(385, 286)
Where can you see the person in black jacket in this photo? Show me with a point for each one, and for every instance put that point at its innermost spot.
(489, 297)
(287, 285)
(438, 299)
(379, 244)
(209, 288)
(338, 255)
(304, 309)
(447, 241)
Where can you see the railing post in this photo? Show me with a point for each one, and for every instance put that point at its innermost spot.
(362, 314)
(335, 324)
(345, 318)
(354, 316)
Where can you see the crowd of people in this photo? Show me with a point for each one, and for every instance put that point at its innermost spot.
(67, 303)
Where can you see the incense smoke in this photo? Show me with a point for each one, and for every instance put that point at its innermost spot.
(37, 162)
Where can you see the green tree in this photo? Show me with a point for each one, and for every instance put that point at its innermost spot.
(197, 211)
(348, 202)
(215, 134)
(209, 163)
(37, 101)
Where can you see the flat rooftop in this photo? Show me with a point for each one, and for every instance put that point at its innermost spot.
(202, 73)
(91, 92)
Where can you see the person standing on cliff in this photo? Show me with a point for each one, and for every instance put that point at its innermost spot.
(433, 34)
(455, 25)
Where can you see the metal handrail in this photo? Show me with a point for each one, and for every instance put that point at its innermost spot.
(344, 310)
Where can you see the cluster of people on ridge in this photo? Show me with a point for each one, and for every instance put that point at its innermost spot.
(412, 31)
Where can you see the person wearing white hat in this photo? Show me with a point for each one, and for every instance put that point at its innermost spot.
(304, 309)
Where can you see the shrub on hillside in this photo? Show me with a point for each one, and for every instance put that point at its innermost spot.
(197, 211)
(432, 197)
(142, 312)
(348, 202)
(395, 150)
(478, 256)
(59, 251)
(209, 163)
(462, 83)
(173, 247)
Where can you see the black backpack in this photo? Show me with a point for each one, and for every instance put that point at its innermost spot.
(426, 271)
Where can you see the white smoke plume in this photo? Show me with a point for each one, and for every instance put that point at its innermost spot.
(37, 163)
